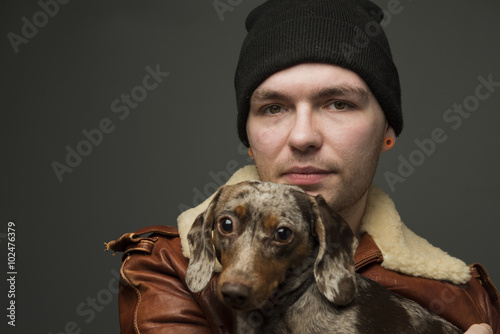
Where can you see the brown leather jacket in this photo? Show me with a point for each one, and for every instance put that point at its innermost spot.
(153, 297)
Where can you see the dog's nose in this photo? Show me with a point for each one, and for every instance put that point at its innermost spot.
(235, 295)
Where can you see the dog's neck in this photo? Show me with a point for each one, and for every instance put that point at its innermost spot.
(265, 319)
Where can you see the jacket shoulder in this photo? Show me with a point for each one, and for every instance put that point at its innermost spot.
(142, 240)
(153, 274)
(461, 304)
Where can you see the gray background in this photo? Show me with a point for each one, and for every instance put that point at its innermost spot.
(179, 140)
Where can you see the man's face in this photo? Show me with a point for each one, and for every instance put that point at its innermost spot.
(317, 126)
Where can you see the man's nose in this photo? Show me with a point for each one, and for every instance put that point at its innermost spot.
(305, 134)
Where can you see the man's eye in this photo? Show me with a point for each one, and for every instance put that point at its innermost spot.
(340, 105)
(226, 225)
(273, 109)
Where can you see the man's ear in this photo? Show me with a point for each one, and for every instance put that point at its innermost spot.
(389, 139)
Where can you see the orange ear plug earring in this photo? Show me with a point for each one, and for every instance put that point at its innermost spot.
(389, 142)
(250, 153)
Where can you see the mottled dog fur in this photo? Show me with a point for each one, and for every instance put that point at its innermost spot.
(288, 267)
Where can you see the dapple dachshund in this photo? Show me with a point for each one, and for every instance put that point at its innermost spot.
(288, 267)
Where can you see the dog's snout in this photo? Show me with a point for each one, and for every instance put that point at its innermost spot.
(235, 295)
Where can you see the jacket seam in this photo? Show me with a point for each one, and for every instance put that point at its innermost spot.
(136, 247)
(477, 308)
(138, 293)
(485, 281)
(133, 249)
(372, 257)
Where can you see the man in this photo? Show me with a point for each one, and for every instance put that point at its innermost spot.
(318, 102)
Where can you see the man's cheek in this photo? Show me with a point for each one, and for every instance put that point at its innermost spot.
(267, 139)
(363, 142)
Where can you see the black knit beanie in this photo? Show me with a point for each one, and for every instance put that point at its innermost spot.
(347, 33)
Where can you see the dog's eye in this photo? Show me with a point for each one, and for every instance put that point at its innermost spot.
(226, 225)
(283, 234)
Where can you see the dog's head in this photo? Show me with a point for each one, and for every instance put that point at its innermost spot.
(270, 237)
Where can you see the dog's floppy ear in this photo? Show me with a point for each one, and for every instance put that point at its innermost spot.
(202, 260)
(334, 267)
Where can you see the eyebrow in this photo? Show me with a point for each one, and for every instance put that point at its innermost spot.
(343, 90)
(269, 94)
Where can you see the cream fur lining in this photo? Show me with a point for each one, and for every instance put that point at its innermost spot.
(403, 250)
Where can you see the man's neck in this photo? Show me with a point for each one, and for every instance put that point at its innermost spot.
(354, 215)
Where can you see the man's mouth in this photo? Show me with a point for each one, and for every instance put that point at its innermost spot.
(308, 175)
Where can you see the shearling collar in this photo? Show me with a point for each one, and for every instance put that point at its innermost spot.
(403, 251)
